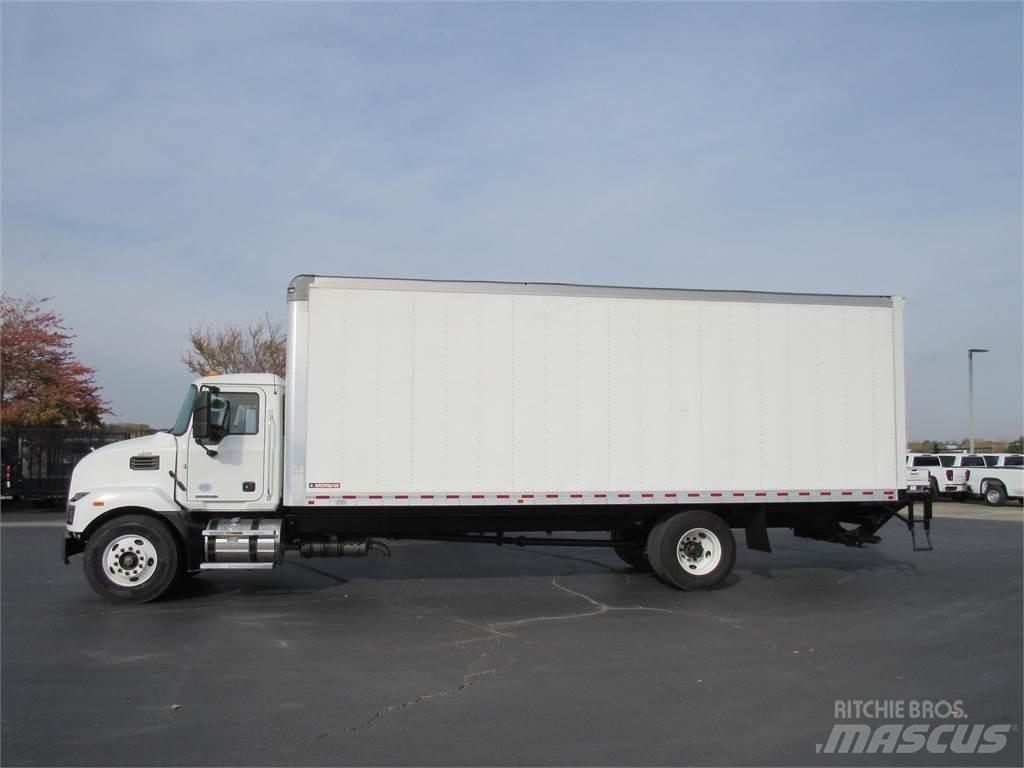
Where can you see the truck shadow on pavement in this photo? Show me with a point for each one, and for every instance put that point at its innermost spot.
(420, 562)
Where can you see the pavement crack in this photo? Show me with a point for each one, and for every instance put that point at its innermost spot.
(598, 609)
(471, 678)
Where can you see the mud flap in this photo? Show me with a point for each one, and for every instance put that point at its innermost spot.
(72, 546)
(757, 532)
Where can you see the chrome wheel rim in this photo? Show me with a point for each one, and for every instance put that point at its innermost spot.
(699, 551)
(130, 561)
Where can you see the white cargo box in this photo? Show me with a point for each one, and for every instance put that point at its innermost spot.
(404, 392)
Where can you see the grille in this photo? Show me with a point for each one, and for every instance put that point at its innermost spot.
(144, 462)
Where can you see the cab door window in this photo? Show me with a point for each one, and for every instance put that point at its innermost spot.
(239, 412)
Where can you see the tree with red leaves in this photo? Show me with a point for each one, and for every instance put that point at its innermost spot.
(41, 381)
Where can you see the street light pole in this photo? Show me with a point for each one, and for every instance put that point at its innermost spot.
(970, 390)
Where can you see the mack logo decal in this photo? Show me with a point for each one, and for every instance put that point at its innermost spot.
(325, 485)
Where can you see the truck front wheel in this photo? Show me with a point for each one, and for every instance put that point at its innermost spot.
(132, 559)
(692, 550)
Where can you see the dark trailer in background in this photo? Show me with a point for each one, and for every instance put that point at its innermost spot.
(37, 461)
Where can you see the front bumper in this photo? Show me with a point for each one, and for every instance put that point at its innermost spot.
(72, 546)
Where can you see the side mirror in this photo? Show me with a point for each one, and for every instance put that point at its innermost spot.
(220, 413)
(201, 416)
(210, 418)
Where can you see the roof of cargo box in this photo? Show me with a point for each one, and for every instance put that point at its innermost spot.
(298, 290)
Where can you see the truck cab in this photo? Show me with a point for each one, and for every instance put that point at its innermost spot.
(223, 454)
(1004, 460)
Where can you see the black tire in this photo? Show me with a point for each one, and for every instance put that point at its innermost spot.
(995, 494)
(692, 550)
(143, 564)
(634, 555)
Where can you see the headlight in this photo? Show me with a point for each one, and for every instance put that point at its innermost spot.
(71, 505)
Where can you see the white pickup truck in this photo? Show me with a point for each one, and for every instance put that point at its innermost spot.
(923, 472)
(957, 468)
(1002, 480)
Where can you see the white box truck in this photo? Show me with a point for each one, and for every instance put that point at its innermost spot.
(465, 411)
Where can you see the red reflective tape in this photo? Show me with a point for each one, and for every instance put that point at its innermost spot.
(826, 493)
(452, 496)
(693, 494)
(868, 493)
(527, 495)
(321, 497)
(401, 496)
(426, 496)
(782, 493)
(647, 495)
(805, 493)
(670, 495)
(737, 494)
(551, 495)
(623, 495)
(575, 495)
(348, 497)
(502, 495)
(847, 493)
(600, 495)
(715, 493)
(760, 493)
(478, 495)
(376, 497)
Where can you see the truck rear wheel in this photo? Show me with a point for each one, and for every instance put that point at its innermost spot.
(692, 550)
(995, 495)
(132, 559)
(634, 555)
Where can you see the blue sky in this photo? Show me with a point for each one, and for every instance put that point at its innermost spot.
(174, 164)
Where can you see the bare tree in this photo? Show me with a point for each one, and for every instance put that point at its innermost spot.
(258, 348)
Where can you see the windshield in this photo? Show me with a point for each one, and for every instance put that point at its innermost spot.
(181, 423)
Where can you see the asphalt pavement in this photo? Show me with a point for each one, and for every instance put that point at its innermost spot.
(463, 654)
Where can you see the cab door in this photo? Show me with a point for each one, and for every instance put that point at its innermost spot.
(233, 470)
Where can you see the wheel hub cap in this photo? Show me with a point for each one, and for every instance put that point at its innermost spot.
(699, 551)
(130, 561)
